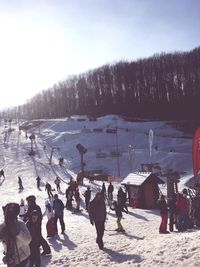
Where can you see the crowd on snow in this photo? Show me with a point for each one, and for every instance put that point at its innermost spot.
(182, 211)
(21, 231)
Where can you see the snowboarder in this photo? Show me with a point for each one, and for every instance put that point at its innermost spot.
(110, 191)
(118, 208)
(58, 208)
(23, 210)
(38, 179)
(20, 183)
(15, 237)
(162, 204)
(97, 215)
(57, 183)
(87, 196)
(49, 190)
(31, 207)
(50, 226)
(34, 227)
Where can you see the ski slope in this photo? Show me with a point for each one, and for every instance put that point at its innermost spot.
(141, 245)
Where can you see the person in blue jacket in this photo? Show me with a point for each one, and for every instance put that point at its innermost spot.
(58, 208)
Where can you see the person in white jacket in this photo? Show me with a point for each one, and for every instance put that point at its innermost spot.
(15, 237)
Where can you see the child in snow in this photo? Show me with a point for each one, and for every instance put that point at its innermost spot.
(23, 210)
(118, 208)
(50, 216)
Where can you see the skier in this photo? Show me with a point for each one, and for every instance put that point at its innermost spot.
(38, 179)
(49, 189)
(58, 208)
(57, 183)
(110, 191)
(20, 183)
(87, 196)
(31, 207)
(23, 210)
(97, 215)
(103, 189)
(50, 226)
(34, 227)
(15, 237)
(118, 208)
(162, 204)
(183, 213)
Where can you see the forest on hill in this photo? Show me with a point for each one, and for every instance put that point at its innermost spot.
(164, 86)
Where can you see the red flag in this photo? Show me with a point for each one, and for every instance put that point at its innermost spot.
(196, 152)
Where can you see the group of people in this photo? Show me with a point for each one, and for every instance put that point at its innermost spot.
(23, 223)
(181, 210)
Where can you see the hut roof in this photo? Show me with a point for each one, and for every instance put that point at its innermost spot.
(138, 178)
(193, 182)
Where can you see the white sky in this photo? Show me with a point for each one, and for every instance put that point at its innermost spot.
(43, 41)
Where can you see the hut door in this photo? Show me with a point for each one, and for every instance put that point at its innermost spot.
(149, 196)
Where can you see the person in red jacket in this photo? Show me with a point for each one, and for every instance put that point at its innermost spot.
(162, 204)
(183, 212)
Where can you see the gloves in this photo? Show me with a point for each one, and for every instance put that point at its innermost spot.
(92, 223)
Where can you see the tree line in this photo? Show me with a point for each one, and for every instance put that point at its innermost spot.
(164, 86)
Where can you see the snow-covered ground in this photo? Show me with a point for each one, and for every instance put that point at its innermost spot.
(141, 245)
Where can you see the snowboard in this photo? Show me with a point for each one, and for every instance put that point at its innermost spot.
(50, 226)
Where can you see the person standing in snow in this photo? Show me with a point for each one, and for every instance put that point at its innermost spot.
(14, 232)
(20, 183)
(118, 208)
(182, 212)
(87, 196)
(172, 212)
(23, 210)
(58, 208)
(31, 207)
(110, 191)
(38, 179)
(50, 225)
(78, 199)
(49, 190)
(69, 197)
(34, 227)
(162, 204)
(2, 173)
(57, 183)
(97, 215)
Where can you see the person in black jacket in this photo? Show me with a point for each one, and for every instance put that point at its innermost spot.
(27, 217)
(48, 188)
(34, 227)
(87, 196)
(172, 212)
(110, 191)
(97, 215)
(118, 208)
(162, 204)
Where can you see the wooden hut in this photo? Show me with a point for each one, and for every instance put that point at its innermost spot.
(143, 190)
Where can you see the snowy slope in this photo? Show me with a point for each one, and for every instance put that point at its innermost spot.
(141, 245)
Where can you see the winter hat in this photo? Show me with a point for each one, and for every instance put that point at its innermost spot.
(22, 202)
(11, 210)
(31, 198)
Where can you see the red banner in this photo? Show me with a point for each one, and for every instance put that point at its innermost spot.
(196, 152)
